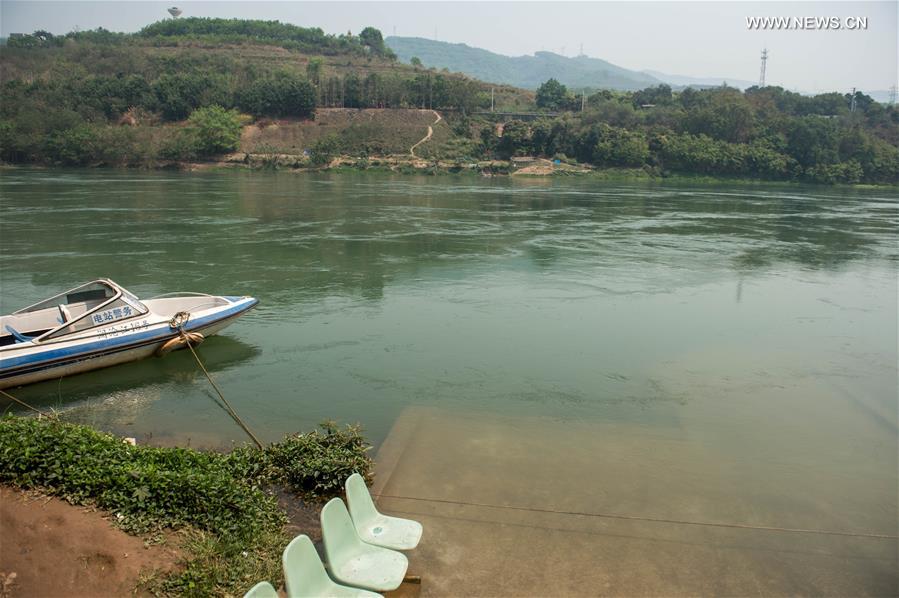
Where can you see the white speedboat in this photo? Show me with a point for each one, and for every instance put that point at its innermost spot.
(99, 324)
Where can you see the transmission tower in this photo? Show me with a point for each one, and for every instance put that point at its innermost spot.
(764, 64)
(893, 95)
(852, 101)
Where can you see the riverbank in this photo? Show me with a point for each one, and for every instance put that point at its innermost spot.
(400, 165)
(221, 521)
(53, 548)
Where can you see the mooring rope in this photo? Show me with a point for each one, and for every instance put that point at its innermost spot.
(23, 403)
(178, 322)
(766, 528)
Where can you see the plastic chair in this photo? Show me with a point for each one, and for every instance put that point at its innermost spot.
(353, 561)
(263, 589)
(372, 526)
(304, 574)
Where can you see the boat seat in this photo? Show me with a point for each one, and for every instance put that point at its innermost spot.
(64, 314)
(20, 338)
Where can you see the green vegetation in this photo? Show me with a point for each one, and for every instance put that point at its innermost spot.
(221, 31)
(552, 95)
(170, 92)
(234, 527)
(324, 150)
(216, 130)
(766, 133)
(281, 94)
(61, 97)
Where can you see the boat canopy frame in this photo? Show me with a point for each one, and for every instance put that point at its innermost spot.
(116, 304)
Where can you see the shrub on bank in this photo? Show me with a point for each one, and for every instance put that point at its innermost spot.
(235, 528)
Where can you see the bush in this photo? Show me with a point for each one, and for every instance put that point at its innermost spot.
(182, 144)
(72, 147)
(318, 463)
(217, 130)
(235, 529)
(147, 488)
(324, 150)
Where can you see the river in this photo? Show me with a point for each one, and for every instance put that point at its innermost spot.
(756, 319)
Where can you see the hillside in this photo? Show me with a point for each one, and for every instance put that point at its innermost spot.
(521, 71)
(270, 94)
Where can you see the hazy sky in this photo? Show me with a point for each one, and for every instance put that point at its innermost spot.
(708, 39)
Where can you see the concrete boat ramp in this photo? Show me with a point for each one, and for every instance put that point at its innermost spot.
(527, 506)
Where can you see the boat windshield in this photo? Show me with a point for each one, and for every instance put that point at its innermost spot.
(96, 303)
(92, 293)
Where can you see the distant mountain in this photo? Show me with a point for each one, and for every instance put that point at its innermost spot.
(686, 81)
(521, 71)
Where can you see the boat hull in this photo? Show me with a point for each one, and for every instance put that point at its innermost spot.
(67, 361)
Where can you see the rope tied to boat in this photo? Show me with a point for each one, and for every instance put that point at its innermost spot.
(24, 404)
(183, 339)
(189, 339)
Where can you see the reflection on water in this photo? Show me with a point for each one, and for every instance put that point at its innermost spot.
(568, 298)
(118, 398)
(722, 352)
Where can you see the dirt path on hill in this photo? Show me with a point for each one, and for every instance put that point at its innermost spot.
(51, 548)
(428, 136)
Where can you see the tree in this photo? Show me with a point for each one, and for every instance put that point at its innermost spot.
(516, 139)
(727, 115)
(619, 147)
(352, 91)
(217, 130)
(552, 95)
(372, 38)
(416, 62)
(177, 95)
(314, 71)
(660, 94)
(812, 140)
(283, 94)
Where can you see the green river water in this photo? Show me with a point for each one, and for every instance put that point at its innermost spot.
(759, 320)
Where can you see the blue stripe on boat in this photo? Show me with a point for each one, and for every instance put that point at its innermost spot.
(94, 347)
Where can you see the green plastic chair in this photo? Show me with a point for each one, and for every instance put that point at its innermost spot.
(263, 589)
(353, 561)
(305, 576)
(372, 526)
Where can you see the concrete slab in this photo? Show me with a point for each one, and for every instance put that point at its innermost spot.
(456, 472)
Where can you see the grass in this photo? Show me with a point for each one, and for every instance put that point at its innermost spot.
(232, 526)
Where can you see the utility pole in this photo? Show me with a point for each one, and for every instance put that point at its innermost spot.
(491, 100)
(583, 100)
(893, 95)
(764, 66)
(852, 101)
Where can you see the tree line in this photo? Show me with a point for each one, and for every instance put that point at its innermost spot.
(765, 132)
(220, 31)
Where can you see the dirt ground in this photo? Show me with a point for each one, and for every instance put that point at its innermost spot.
(50, 548)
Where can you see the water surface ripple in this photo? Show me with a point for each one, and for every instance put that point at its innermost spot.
(748, 320)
